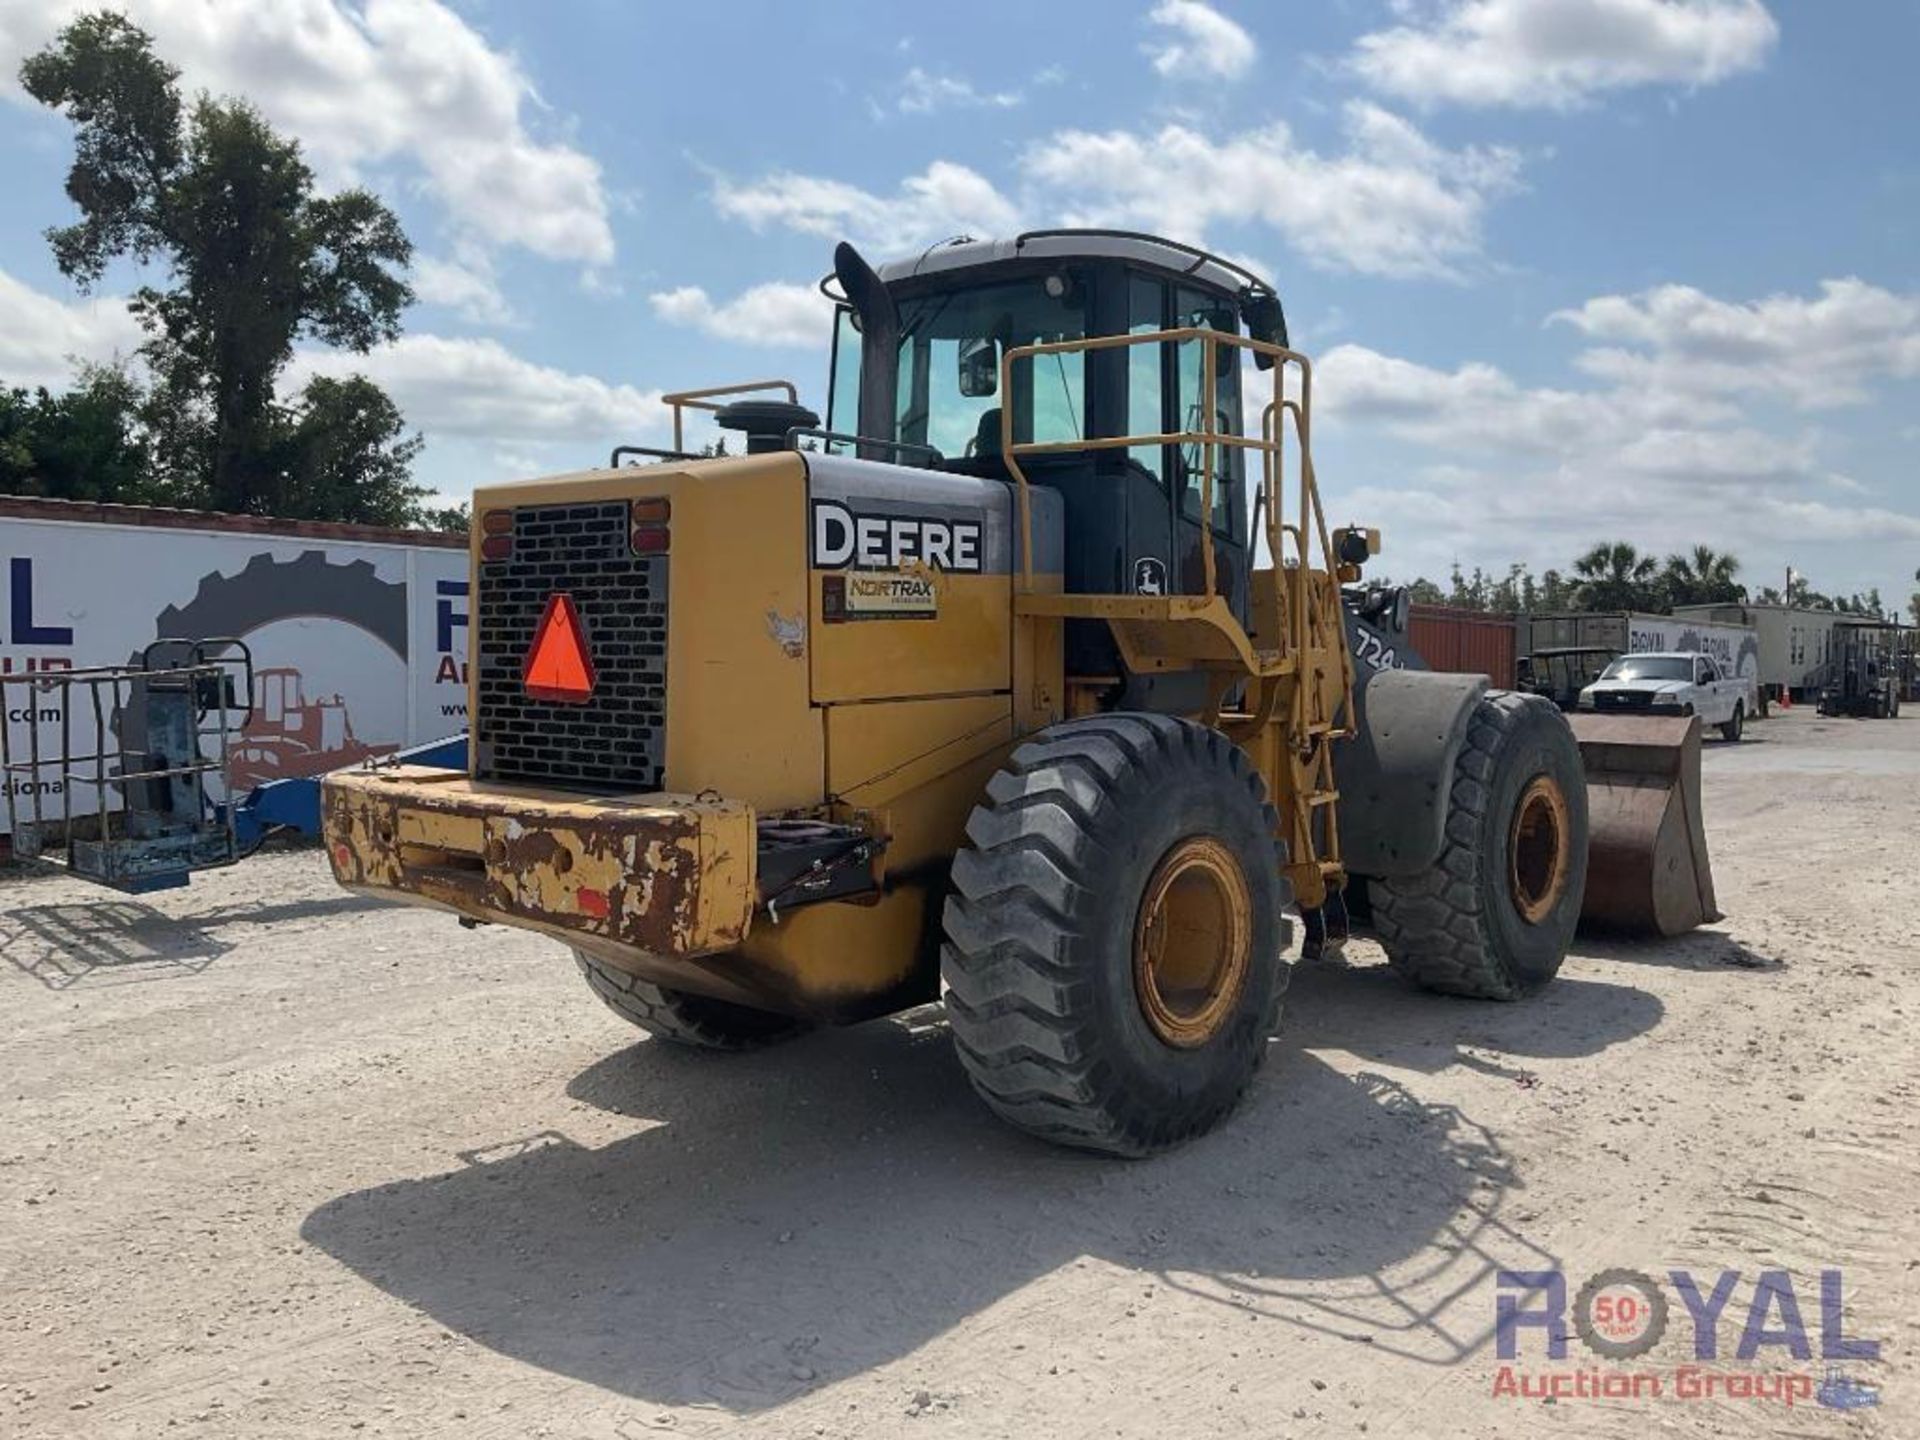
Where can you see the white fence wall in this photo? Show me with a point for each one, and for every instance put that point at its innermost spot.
(359, 647)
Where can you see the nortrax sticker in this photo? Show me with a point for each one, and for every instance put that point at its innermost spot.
(878, 595)
(845, 539)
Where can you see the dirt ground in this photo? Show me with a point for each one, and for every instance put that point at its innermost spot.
(276, 1160)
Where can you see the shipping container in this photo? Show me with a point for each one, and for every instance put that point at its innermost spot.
(1465, 642)
(357, 633)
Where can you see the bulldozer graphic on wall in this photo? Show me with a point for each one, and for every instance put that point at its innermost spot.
(289, 734)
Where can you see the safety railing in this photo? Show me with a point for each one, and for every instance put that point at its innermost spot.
(124, 779)
(1287, 540)
(680, 401)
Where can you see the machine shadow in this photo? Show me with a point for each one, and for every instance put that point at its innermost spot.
(1695, 950)
(121, 941)
(814, 1212)
(61, 945)
(1369, 1012)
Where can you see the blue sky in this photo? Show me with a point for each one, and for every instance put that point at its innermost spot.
(1571, 269)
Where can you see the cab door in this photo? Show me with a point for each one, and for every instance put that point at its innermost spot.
(1164, 384)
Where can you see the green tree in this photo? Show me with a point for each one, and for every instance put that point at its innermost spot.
(1556, 593)
(1704, 576)
(1802, 594)
(344, 455)
(1615, 576)
(1468, 594)
(1514, 594)
(255, 259)
(86, 444)
(457, 519)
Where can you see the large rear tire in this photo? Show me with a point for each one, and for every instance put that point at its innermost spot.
(1734, 728)
(1494, 915)
(1114, 934)
(680, 1017)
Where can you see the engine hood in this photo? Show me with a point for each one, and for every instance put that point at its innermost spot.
(1642, 687)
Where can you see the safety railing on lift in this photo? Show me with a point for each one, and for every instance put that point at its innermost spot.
(125, 773)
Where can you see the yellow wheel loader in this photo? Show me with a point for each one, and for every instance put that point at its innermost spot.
(1027, 680)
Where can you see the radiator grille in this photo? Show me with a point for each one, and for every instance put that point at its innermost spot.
(1624, 700)
(618, 739)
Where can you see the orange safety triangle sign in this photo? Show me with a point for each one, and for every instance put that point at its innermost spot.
(558, 666)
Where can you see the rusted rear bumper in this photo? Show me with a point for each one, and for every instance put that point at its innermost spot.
(669, 875)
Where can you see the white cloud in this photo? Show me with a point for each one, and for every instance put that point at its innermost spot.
(941, 201)
(921, 92)
(1811, 353)
(1392, 203)
(377, 83)
(477, 389)
(463, 284)
(1487, 469)
(1478, 408)
(41, 337)
(1199, 44)
(770, 314)
(1558, 53)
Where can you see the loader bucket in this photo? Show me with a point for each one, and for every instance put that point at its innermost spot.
(1647, 868)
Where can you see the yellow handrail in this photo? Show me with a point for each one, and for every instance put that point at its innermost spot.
(1270, 443)
(703, 400)
(1313, 674)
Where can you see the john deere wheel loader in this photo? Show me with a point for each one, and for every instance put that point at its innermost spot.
(1028, 680)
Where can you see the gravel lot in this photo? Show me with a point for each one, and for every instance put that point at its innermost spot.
(277, 1160)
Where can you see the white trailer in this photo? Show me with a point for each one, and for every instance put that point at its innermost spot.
(1795, 644)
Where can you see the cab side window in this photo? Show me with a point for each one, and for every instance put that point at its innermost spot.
(1147, 373)
(1197, 310)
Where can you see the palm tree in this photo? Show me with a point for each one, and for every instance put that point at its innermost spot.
(1615, 576)
(1706, 577)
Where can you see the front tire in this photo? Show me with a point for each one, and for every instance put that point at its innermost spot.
(1734, 728)
(1113, 939)
(1492, 918)
(680, 1017)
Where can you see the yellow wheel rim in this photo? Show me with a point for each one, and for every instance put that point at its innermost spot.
(1192, 943)
(1538, 849)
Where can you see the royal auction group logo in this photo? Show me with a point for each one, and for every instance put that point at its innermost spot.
(1621, 1315)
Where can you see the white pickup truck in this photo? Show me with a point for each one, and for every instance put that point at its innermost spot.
(1676, 684)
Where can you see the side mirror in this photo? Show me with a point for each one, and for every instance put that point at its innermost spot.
(1266, 322)
(979, 368)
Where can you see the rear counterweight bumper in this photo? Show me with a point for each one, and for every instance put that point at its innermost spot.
(668, 875)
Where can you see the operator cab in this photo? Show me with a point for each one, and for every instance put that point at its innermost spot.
(917, 377)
